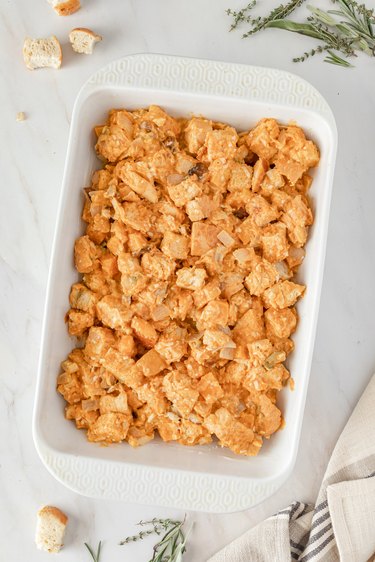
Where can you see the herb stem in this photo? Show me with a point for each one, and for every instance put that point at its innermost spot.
(94, 556)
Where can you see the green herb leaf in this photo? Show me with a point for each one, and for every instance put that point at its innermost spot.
(335, 59)
(322, 16)
(302, 28)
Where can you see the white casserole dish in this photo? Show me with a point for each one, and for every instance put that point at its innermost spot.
(205, 478)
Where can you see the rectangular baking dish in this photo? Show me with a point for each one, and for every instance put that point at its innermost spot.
(205, 478)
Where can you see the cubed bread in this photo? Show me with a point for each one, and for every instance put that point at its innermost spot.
(41, 53)
(65, 7)
(50, 529)
(83, 40)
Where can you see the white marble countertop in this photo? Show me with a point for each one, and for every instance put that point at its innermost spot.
(32, 159)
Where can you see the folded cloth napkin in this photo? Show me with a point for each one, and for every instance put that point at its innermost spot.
(341, 526)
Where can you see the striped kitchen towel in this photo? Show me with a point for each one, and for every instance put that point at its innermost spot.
(341, 526)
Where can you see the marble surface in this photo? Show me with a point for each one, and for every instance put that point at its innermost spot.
(32, 158)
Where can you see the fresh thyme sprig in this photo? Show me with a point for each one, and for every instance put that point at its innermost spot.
(353, 30)
(259, 23)
(95, 556)
(242, 15)
(157, 527)
(172, 545)
(140, 536)
(164, 523)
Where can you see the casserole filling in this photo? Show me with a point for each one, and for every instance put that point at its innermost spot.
(186, 304)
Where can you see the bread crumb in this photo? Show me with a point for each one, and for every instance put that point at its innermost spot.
(83, 41)
(50, 529)
(41, 53)
(65, 7)
(20, 116)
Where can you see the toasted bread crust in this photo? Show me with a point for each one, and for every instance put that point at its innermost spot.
(60, 50)
(83, 40)
(89, 32)
(67, 8)
(55, 512)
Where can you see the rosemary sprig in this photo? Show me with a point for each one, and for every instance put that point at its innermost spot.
(335, 59)
(171, 546)
(357, 21)
(94, 556)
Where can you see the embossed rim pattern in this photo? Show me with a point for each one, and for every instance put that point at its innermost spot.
(160, 486)
(210, 77)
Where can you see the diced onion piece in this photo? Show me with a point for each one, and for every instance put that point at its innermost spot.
(179, 333)
(195, 337)
(241, 255)
(231, 345)
(275, 358)
(227, 353)
(125, 123)
(160, 313)
(95, 210)
(220, 253)
(283, 270)
(107, 213)
(174, 179)
(111, 191)
(241, 361)
(90, 405)
(63, 378)
(161, 292)
(185, 164)
(69, 366)
(296, 253)
(241, 407)
(146, 125)
(221, 215)
(225, 238)
(226, 330)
